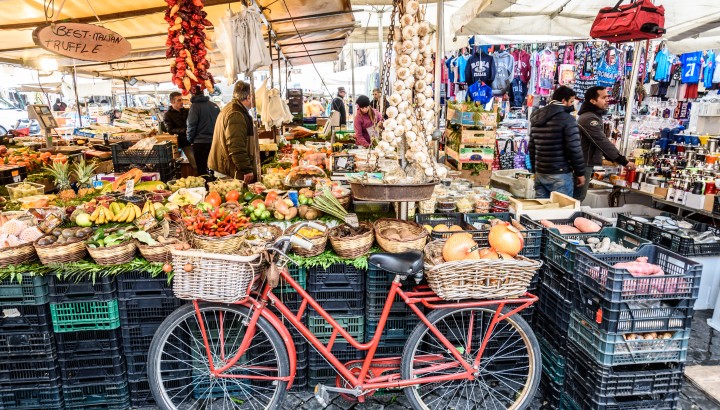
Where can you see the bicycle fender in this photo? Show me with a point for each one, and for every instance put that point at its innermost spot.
(285, 334)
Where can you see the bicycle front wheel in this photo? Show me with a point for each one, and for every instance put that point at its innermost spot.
(509, 370)
(178, 365)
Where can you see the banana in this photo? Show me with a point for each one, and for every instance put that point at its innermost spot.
(138, 211)
(110, 215)
(147, 207)
(101, 217)
(123, 215)
(157, 205)
(115, 208)
(131, 214)
(94, 215)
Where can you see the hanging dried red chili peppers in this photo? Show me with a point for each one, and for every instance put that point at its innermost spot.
(188, 44)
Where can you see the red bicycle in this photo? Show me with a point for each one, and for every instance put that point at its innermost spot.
(473, 354)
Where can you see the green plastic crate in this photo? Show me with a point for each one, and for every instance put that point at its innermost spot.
(354, 325)
(553, 363)
(32, 290)
(297, 273)
(77, 316)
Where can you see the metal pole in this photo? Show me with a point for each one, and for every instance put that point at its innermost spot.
(126, 94)
(77, 99)
(439, 52)
(380, 53)
(625, 142)
(255, 141)
(352, 73)
(271, 59)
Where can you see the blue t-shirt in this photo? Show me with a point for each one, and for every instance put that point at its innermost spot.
(691, 66)
(709, 69)
(480, 92)
(462, 63)
(663, 59)
(451, 74)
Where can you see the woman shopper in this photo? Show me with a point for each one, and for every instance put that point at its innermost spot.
(366, 122)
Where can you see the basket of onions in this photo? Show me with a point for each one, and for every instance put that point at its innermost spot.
(457, 268)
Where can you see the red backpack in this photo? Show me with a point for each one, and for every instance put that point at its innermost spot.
(639, 20)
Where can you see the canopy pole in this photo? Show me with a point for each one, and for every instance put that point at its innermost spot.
(255, 139)
(627, 125)
(352, 73)
(380, 52)
(439, 53)
(127, 104)
(77, 99)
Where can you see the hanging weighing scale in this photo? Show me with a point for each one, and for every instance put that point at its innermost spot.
(44, 116)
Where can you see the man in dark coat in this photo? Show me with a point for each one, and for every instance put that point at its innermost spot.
(554, 147)
(175, 120)
(375, 103)
(200, 127)
(338, 104)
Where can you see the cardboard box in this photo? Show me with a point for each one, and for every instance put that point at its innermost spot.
(648, 188)
(661, 192)
(559, 206)
(700, 202)
(488, 119)
(478, 137)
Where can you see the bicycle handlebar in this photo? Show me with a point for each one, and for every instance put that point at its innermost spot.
(303, 243)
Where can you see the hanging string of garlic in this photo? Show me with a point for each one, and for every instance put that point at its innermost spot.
(411, 114)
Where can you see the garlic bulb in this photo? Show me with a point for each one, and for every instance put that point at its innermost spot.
(395, 99)
(404, 60)
(412, 7)
(406, 20)
(391, 112)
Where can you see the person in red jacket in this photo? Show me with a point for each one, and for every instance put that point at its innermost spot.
(366, 122)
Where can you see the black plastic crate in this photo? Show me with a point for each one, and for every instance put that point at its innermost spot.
(29, 318)
(35, 395)
(625, 380)
(680, 279)
(389, 349)
(563, 283)
(31, 290)
(135, 312)
(638, 227)
(375, 302)
(347, 303)
(396, 329)
(338, 277)
(22, 345)
(141, 396)
(137, 365)
(555, 307)
(343, 351)
(633, 316)
(447, 219)
(78, 369)
(161, 153)
(109, 396)
(136, 339)
(686, 246)
(553, 363)
(532, 234)
(529, 222)
(354, 325)
(167, 171)
(13, 372)
(63, 290)
(89, 342)
(301, 379)
(291, 300)
(549, 331)
(10, 174)
(551, 392)
(141, 284)
(378, 280)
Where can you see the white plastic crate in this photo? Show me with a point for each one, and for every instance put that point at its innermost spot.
(611, 214)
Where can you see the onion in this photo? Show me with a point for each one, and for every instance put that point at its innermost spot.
(505, 239)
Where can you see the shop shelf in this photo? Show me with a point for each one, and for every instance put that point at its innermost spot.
(447, 219)
(633, 316)
(141, 284)
(549, 331)
(135, 312)
(684, 245)
(551, 392)
(109, 396)
(13, 372)
(299, 274)
(555, 307)
(375, 302)
(580, 394)
(625, 380)
(560, 281)
(680, 279)
(31, 290)
(29, 318)
(553, 363)
(397, 328)
(77, 316)
(345, 302)
(36, 395)
(354, 325)
(24, 345)
(642, 229)
(343, 351)
(63, 290)
(611, 349)
(89, 342)
(560, 250)
(532, 234)
(159, 154)
(338, 277)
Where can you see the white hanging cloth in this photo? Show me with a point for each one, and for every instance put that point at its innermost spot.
(226, 45)
(247, 40)
(276, 110)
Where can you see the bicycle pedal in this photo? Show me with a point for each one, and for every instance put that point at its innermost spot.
(321, 395)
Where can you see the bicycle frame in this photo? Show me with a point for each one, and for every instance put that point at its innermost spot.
(360, 382)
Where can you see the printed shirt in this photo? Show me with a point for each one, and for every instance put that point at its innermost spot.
(663, 59)
(546, 72)
(716, 74)
(691, 67)
(480, 92)
(450, 72)
(709, 69)
(461, 64)
(522, 65)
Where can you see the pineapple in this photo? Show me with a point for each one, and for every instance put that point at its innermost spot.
(61, 173)
(84, 173)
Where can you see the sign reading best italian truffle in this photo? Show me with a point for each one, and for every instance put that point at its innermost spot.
(81, 41)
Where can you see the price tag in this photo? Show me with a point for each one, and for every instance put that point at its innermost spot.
(130, 187)
(17, 178)
(352, 220)
(341, 162)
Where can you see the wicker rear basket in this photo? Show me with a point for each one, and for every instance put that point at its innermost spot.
(319, 242)
(218, 244)
(353, 246)
(400, 245)
(65, 253)
(16, 255)
(477, 278)
(114, 255)
(213, 277)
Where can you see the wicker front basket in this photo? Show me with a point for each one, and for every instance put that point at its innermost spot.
(218, 244)
(114, 255)
(353, 246)
(65, 253)
(319, 243)
(400, 245)
(16, 255)
(213, 277)
(477, 278)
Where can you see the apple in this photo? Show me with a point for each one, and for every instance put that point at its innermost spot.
(83, 220)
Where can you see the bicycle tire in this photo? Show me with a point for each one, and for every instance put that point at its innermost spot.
(477, 393)
(178, 360)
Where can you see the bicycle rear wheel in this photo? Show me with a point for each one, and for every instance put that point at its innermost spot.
(178, 365)
(509, 370)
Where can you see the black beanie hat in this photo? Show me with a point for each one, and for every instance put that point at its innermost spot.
(363, 101)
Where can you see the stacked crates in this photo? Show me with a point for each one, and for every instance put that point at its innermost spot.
(144, 302)
(339, 289)
(86, 322)
(401, 321)
(629, 333)
(29, 373)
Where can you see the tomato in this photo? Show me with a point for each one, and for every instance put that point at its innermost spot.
(213, 198)
(233, 195)
(256, 202)
(271, 198)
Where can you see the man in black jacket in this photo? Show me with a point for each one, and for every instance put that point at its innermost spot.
(554, 148)
(595, 144)
(200, 127)
(175, 120)
(338, 104)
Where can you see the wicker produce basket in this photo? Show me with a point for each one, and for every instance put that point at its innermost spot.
(477, 278)
(114, 255)
(270, 233)
(155, 253)
(65, 253)
(353, 246)
(345, 201)
(395, 245)
(218, 244)
(15, 255)
(319, 242)
(213, 277)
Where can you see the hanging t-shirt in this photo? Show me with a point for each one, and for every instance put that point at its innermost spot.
(709, 69)
(533, 72)
(663, 60)
(608, 70)
(716, 74)
(450, 71)
(691, 67)
(586, 78)
(518, 91)
(546, 72)
(522, 65)
(461, 64)
(480, 92)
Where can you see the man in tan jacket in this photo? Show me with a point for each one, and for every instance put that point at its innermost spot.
(233, 150)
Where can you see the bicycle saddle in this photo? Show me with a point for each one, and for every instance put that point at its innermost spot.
(406, 263)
